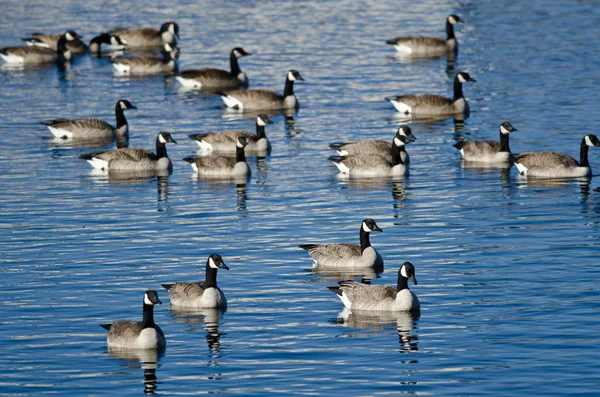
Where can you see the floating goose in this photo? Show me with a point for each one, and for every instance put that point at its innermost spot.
(368, 297)
(92, 129)
(76, 46)
(33, 55)
(210, 79)
(429, 46)
(221, 166)
(375, 147)
(347, 256)
(226, 141)
(488, 151)
(262, 99)
(205, 294)
(557, 165)
(434, 105)
(149, 37)
(135, 160)
(115, 43)
(372, 165)
(145, 334)
(148, 65)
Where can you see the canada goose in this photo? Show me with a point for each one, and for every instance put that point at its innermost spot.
(433, 105)
(488, 151)
(557, 165)
(143, 334)
(372, 165)
(76, 46)
(429, 46)
(221, 166)
(368, 297)
(346, 256)
(217, 79)
(33, 55)
(92, 129)
(149, 37)
(127, 159)
(205, 294)
(147, 65)
(115, 43)
(375, 147)
(226, 141)
(262, 99)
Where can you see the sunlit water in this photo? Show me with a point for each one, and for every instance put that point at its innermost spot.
(507, 269)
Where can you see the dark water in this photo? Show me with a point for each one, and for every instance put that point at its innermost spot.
(507, 269)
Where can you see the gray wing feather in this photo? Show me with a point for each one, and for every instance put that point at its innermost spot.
(366, 296)
(545, 160)
(128, 154)
(185, 291)
(335, 251)
(258, 98)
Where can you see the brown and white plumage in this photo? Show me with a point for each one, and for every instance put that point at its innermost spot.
(368, 297)
(556, 165)
(210, 79)
(488, 151)
(221, 166)
(148, 37)
(434, 105)
(147, 65)
(76, 46)
(34, 55)
(427, 46)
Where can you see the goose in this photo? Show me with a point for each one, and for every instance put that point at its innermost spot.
(434, 105)
(488, 151)
(148, 65)
(92, 129)
(368, 297)
(76, 46)
(429, 46)
(145, 334)
(347, 256)
(372, 165)
(205, 294)
(141, 37)
(33, 55)
(557, 165)
(262, 99)
(217, 79)
(115, 43)
(128, 159)
(375, 147)
(226, 141)
(221, 166)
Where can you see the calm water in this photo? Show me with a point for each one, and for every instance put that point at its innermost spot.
(507, 269)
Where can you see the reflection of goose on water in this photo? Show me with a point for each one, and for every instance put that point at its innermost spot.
(147, 359)
(210, 317)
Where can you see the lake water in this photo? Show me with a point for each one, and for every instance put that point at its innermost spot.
(508, 269)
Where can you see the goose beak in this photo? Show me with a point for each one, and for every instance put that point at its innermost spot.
(222, 265)
(377, 228)
(414, 279)
(133, 107)
(472, 80)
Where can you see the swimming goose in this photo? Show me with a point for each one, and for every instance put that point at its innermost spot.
(217, 79)
(115, 43)
(148, 65)
(262, 99)
(434, 105)
(372, 165)
(429, 46)
(145, 334)
(375, 147)
(205, 294)
(488, 151)
(368, 297)
(225, 141)
(76, 46)
(127, 159)
(557, 165)
(92, 129)
(221, 166)
(347, 256)
(33, 55)
(149, 37)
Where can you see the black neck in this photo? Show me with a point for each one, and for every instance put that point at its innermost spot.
(402, 283)
(233, 62)
(289, 87)
(166, 56)
(449, 30)
(148, 321)
(61, 49)
(458, 93)
(240, 154)
(583, 154)
(364, 239)
(396, 157)
(211, 276)
(121, 120)
(161, 148)
(260, 131)
(504, 143)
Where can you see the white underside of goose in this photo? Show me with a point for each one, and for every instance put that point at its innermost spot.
(344, 298)
(189, 83)
(204, 145)
(232, 102)
(98, 164)
(401, 106)
(121, 69)
(12, 59)
(403, 49)
(60, 133)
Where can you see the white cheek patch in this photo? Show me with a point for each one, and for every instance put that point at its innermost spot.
(147, 300)
(403, 272)
(212, 263)
(291, 77)
(172, 29)
(123, 106)
(588, 141)
(504, 130)
(461, 78)
(69, 36)
(452, 20)
(168, 48)
(366, 228)
(162, 139)
(398, 142)
(237, 54)
(260, 122)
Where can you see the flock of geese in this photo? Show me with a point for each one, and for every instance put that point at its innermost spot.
(228, 149)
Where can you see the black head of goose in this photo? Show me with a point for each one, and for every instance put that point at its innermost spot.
(76, 46)
(210, 79)
(148, 65)
(262, 99)
(35, 55)
(427, 46)
(488, 151)
(112, 43)
(435, 105)
(222, 166)
(557, 165)
(347, 256)
(148, 37)
(200, 295)
(145, 334)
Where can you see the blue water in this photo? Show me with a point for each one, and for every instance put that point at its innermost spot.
(507, 268)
